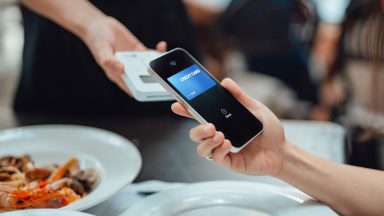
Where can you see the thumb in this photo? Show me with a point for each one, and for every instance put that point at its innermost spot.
(239, 93)
(161, 46)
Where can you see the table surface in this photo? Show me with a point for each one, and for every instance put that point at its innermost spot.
(169, 155)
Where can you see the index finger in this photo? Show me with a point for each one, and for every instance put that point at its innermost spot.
(179, 109)
(202, 132)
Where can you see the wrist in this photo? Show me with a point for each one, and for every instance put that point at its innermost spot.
(299, 165)
(291, 160)
(84, 28)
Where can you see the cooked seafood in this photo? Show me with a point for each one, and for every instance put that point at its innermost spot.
(23, 185)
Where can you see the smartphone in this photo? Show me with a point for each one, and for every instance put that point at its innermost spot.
(204, 97)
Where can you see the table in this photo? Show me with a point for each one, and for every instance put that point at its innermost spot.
(169, 155)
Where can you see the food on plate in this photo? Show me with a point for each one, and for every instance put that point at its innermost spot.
(23, 185)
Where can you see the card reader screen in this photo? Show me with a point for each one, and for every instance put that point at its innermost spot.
(192, 81)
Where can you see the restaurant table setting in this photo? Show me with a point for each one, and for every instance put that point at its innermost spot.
(159, 173)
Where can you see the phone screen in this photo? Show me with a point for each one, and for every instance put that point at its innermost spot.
(192, 81)
(207, 97)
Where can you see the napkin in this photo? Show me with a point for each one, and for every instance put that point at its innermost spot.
(130, 195)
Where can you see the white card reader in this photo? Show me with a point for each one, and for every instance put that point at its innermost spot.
(143, 86)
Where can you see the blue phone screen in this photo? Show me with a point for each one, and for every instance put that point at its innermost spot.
(192, 81)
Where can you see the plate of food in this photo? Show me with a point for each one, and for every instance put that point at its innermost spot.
(45, 212)
(63, 166)
(227, 198)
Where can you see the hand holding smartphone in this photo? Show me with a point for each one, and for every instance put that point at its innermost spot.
(204, 97)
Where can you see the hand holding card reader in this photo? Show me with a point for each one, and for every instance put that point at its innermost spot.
(204, 97)
(143, 86)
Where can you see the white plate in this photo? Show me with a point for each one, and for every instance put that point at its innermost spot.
(228, 198)
(45, 212)
(116, 159)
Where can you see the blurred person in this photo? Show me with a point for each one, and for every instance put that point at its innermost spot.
(204, 15)
(331, 14)
(347, 189)
(68, 57)
(324, 52)
(354, 87)
(275, 37)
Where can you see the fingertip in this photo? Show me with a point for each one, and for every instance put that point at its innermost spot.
(162, 43)
(227, 80)
(161, 46)
(175, 107)
(201, 132)
(237, 92)
(118, 68)
(229, 84)
(211, 126)
(209, 129)
(219, 136)
(227, 146)
(112, 64)
(179, 109)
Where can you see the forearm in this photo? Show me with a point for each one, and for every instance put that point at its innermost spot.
(73, 15)
(348, 190)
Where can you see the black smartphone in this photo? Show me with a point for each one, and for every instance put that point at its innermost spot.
(204, 97)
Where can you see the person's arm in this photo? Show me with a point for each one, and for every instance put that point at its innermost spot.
(102, 34)
(73, 15)
(348, 190)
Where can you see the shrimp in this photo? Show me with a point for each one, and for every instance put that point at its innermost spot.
(13, 198)
(26, 186)
(72, 163)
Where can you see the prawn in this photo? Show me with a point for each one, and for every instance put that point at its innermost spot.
(72, 163)
(13, 198)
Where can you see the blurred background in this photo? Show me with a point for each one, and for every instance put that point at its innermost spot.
(11, 43)
(306, 59)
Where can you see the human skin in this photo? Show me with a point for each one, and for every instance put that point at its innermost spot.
(103, 35)
(349, 190)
